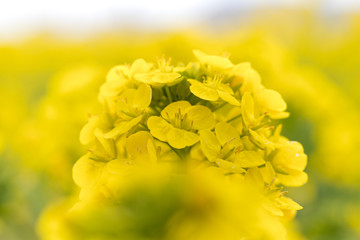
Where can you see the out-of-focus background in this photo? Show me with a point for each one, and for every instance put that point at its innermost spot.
(54, 55)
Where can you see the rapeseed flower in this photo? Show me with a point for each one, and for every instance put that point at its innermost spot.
(163, 125)
(165, 74)
(178, 122)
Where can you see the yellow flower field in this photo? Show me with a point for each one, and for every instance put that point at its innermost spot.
(251, 132)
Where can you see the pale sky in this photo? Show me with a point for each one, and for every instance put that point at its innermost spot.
(26, 16)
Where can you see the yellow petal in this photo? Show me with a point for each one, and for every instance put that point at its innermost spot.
(248, 159)
(144, 77)
(268, 173)
(126, 100)
(158, 127)
(180, 138)
(294, 179)
(277, 133)
(270, 100)
(290, 157)
(87, 132)
(247, 104)
(86, 172)
(240, 69)
(132, 102)
(169, 78)
(202, 91)
(254, 178)
(142, 98)
(278, 115)
(287, 203)
(118, 167)
(159, 79)
(260, 140)
(111, 89)
(137, 147)
(209, 144)
(217, 62)
(108, 144)
(153, 154)
(122, 127)
(201, 117)
(226, 133)
(225, 88)
(166, 78)
(174, 108)
(139, 66)
(117, 74)
(229, 166)
(272, 207)
(115, 82)
(252, 81)
(227, 97)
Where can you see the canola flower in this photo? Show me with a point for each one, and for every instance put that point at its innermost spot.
(201, 136)
(52, 121)
(276, 68)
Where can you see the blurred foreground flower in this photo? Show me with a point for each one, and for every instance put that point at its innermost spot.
(183, 152)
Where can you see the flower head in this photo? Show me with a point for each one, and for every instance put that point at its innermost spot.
(210, 119)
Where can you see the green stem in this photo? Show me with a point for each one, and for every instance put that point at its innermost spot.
(144, 126)
(255, 142)
(261, 125)
(234, 118)
(168, 93)
(178, 153)
(182, 153)
(220, 106)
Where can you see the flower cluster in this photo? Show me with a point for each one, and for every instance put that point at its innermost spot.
(209, 116)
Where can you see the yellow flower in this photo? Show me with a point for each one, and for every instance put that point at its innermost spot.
(265, 103)
(249, 114)
(87, 132)
(214, 62)
(225, 149)
(178, 123)
(245, 78)
(271, 102)
(93, 174)
(130, 108)
(141, 149)
(212, 89)
(275, 201)
(289, 161)
(164, 75)
(119, 76)
(145, 131)
(253, 120)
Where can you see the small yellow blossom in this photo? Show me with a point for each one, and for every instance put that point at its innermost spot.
(92, 174)
(289, 161)
(178, 123)
(164, 75)
(130, 108)
(212, 89)
(225, 149)
(216, 62)
(119, 76)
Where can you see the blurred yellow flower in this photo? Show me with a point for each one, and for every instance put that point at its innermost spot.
(145, 144)
(165, 74)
